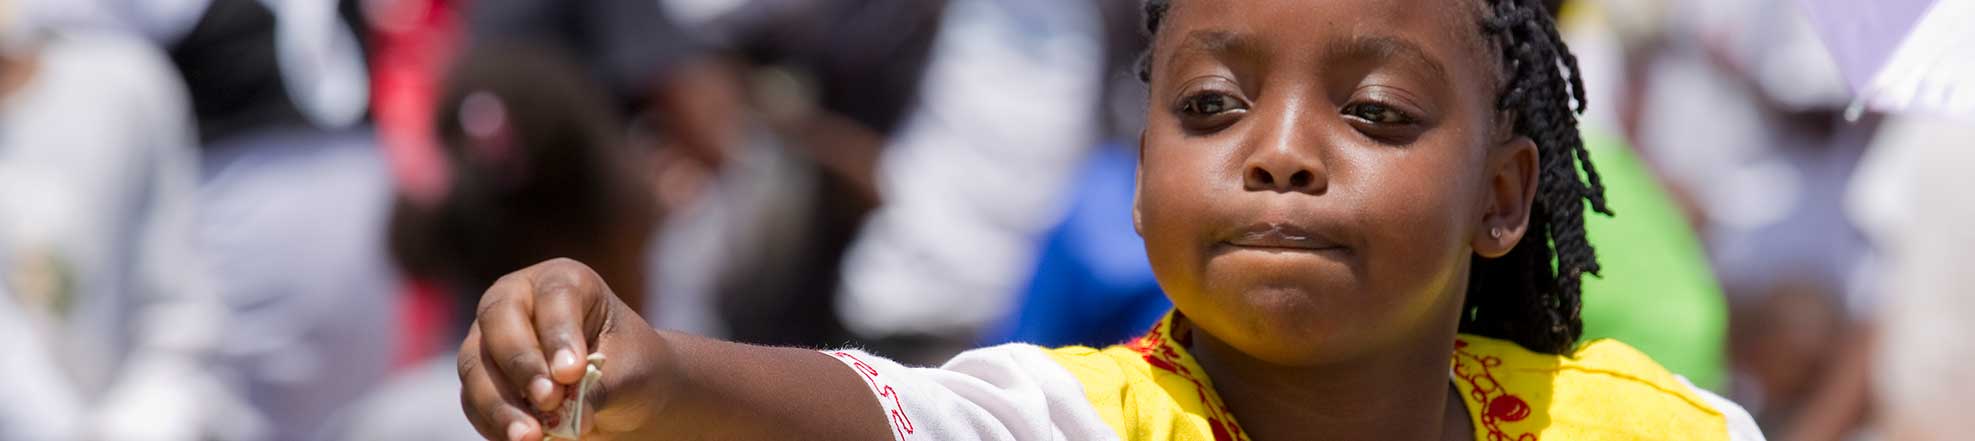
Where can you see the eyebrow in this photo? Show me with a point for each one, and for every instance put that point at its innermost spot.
(1218, 41)
(1213, 42)
(1388, 47)
(1367, 46)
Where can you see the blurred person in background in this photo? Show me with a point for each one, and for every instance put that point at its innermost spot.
(1090, 282)
(678, 102)
(765, 119)
(974, 178)
(828, 86)
(657, 75)
(539, 170)
(766, 124)
(110, 318)
(1911, 197)
(292, 191)
(296, 195)
(1761, 172)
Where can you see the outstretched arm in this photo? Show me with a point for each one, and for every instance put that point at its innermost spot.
(526, 348)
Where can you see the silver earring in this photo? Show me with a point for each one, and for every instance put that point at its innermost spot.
(1495, 232)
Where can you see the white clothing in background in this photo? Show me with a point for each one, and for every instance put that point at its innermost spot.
(113, 319)
(1912, 199)
(296, 221)
(1005, 113)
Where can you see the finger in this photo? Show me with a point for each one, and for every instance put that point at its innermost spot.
(566, 295)
(495, 410)
(507, 337)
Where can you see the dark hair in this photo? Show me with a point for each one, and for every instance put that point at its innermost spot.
(1531, 295)
(537, 169)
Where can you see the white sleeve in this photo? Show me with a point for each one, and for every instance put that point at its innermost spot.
(1011, 392)
(1740, 426)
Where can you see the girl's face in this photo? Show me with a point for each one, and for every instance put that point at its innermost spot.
(1317, 173)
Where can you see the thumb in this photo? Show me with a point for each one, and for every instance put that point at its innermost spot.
(577, 414)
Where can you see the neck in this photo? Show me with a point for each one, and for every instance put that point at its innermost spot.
(1393, 395)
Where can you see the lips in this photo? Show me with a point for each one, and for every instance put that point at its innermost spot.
(1280, 236)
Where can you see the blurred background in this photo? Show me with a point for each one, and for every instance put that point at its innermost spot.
(247, 220)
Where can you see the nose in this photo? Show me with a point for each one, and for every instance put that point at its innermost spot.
(1287, 161)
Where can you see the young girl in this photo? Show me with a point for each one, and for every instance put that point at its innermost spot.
(1352, 203)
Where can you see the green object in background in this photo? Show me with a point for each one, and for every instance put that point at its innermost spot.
(1656, 292)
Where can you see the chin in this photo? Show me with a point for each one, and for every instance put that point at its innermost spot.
(1290, 326)
(1297, 337)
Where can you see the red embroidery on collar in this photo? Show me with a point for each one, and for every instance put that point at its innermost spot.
(1164, 354)
(1498, 404)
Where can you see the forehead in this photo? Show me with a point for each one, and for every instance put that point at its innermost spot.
(1444, 35)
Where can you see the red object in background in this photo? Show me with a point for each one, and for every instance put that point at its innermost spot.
(415, 41)
(425, 317)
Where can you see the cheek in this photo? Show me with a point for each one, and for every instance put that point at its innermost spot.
(1172, 209)
(1415, 212)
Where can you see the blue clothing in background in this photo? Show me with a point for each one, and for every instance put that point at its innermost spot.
(1092, 284)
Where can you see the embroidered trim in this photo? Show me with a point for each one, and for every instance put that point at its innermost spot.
(1162, 354)
(1483, 390)
(888, 398)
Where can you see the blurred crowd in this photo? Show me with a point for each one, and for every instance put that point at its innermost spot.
(272, 219)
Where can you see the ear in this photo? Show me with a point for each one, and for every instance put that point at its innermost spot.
(1138, 186)
(1512, 179)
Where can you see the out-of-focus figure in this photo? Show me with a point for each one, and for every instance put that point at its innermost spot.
(1090, 283)
(676, 101)
(1912, 199)
(1740, 108)
(112, 323)
(539, 170)
(295, 193)
(1909, 58)
(292, 191)
(296, 222)
(812, 91)
(974, 178)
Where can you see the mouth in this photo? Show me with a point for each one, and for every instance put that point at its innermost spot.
(1281, 237)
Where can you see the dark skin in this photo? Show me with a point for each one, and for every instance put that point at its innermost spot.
(1364, 135)
(535, 323)
(1314, 182)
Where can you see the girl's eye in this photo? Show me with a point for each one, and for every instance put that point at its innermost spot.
(1377, 113)
(1209, 104)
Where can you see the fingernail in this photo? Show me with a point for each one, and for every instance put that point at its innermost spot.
(540, 388)
(516, 430)
(565, 359)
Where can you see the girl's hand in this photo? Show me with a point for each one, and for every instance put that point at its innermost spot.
(526, 349)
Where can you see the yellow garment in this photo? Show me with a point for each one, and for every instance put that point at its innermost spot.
(1151, 389)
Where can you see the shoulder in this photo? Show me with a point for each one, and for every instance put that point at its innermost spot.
(1115, 364)
(1604, 388)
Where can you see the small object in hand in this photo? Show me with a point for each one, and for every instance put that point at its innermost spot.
(567, 422)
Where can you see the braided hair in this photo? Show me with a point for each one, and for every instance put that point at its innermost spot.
(1531, 295)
